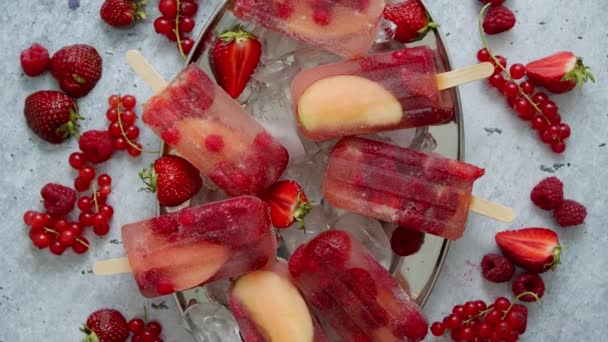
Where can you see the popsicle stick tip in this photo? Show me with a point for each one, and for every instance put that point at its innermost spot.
(111, 266)
(493, 210)
(464, 75)
(145, 70)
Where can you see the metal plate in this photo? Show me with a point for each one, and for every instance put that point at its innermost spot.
(422, 269)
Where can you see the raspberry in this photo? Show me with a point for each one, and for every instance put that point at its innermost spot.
(34, 60)
(548, 194)
(59, 200)
(96, 145)
(496, 268)
(499, 19)
(528, 282)
(406, 241)
(570, 213)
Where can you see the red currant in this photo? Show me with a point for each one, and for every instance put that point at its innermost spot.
(40, 239)
(76, 228)
(80, 184)
(517, 71)
(106, 210)
(558, 146)
(81, 245)
(99, 219)
(67, 237)
(119, 143)
(527, 87)
(189, 8)
(453, 321)
(168, 8)
(539, 123)
(512, 336)
(87, 173)
(114, 101)
(481, 305)
(524, 109)
(56, 247)
(61, 225)
(163, 25)
(85, 219)
(503, 328)
(493, 317)
(134, 151)
(511, 89)
(497, 81)
(556, 120)
(154, 327)
(27, 217)
(484, 330)
(132, 132)
(112, 114)
(564, 131)
(456, 334)
(104, 179)
(85, 204)
(514, 319)
(105, 190)
(101, 230)
(458, 310)
(172, 36)
(127, 117)
(437, 329)
(186, 24)
(470, 309)
(128, 102)
(539, 98)
(38, 221)
(467, 333)
(115, 130)
(187, 44)
(502, 61)
(502, 303)
(549, 109)
(483, 55)
(147, 336)
(136, 326)
(77, 160)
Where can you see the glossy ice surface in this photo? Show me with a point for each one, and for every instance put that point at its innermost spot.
(344, 27)
(354, 296)
(381, 92)
(207, 127)
(194, 246)
(269, 307)
(410, 188)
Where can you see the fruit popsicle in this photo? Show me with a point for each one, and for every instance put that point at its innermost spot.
(268, 307)
(198, 245)
(394, 184)
(352, 294)
(347, 27)
(377, 93)
(208, 128)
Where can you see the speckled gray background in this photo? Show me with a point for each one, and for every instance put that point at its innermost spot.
(43, 297)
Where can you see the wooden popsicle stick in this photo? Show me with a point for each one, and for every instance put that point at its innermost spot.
(465, 75)
(490, 209)
(145, 70)
(111, 266)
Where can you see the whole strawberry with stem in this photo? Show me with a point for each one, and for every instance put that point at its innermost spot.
(412, 20)
(77, 68)
(106, 325)
(234, 57)
(534, 249)
(287, 202)
(121, 13)
(560, 72)
(52, 115)
(173, 179)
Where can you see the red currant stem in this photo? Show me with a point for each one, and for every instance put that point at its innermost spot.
(53, 231)
(517, 300)
(179, 40)
(124, 134)
(481, 313)
(95, 199)
(145, 314)
(487, 47)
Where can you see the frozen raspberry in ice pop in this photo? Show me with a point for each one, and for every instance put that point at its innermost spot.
(394, 184)
(269, 307)
(381, 92)
(344, 27)
(352, 294)
(195, 246)
(212, 131)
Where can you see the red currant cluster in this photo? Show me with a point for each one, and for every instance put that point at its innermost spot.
(143, 332)
(177, 20)
(122, 124)
(535, 107)
(474, 321)
(94, 210)
(56, 233)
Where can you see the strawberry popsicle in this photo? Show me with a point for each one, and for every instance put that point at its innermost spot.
(394, 184)
(208, 128)
(352, 294)
(195, 246)
(269, 307)
(346, 27)
(377, 93)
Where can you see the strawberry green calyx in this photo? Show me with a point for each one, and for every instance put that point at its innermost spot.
(236, 34)
(580, 73)
(150, 179)
(138, 10)
(303, 207)
(70, 128)
(91, 336)
(556, 257)
(430, 25)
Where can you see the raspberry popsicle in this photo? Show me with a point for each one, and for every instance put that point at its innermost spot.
(394, 184)
(352, 294)
(181, 250)
(382, 92)
(269, 307)
(344, 27)
(213, 132)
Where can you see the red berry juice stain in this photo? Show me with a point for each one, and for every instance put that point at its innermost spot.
(471, 270)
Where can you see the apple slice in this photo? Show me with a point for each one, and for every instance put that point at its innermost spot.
(275, 306)
(347, 103)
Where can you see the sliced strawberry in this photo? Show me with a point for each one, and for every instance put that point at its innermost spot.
(234, 58)
(535, 249)
(559, 73)
(287, 203)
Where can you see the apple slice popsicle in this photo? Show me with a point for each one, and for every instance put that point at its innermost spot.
(195, 246)
(392, 90)
(352, 294)
(268, 307)
(346, 28)
(207, 127)
(410, 188)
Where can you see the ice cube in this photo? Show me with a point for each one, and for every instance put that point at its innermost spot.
(286, 132)
(309, 57)
(386, 32)
(400, 137)
(211, 322)
(370, 233)
(310, 176)
(315, 222)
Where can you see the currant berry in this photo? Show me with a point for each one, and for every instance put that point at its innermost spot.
(106, 210)
(115, 130)
(105, 191)
(497, 81)
(186, 24)
(453, 322)
(511, 89)
(67, 237)
(104, 179)
(154, 327)
(114, 101)
(467, 333)
(27, 217)
(549, 109)
(517, 71)
(187, 45)
(503, 328)
(40, 239)
(99, 219)
(132, 132)
(61, 225)
(112, 114)
(38, 221)
(128, 102)
(80, 184)
(85, 219)
(558, 146)
(524, 109)
(527, 87)
(437, 329)
(76, 228)
(127, 117)
(77, 160)
(564, 131)
(547, 137)
(87, 173)
(502, 61)
(168, 8)
(484, 330)
(493, 317)
(134, 151)
(189, 8)
(458, 310)
(81, 245)
(470, 309)
(85, 204)
(136, 326)
(481, 305)
(119, 143)
(57, 247)
(101, 230)
(556, 120)
(539, 123)
(501, 303)
(483, 55)
(456, 334)
(163, 25)
(539, 98)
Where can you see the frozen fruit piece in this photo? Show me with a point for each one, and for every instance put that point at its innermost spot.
(496, 268)
(96, 145)
(534, 249)
(405, 241)
(528, 282)
(59, 200)
(330, 247)
(570, 213)
(548, 194)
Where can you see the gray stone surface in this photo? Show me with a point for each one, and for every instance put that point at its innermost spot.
(44, 297)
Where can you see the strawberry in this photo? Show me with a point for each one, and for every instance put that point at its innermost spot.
(535, 249)
(173, 179)
(119, 13)
(411, 18)
(106, 325)
(77, 68)
(52, 115)
(234, 58)
(559, 73)
(287, 203)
